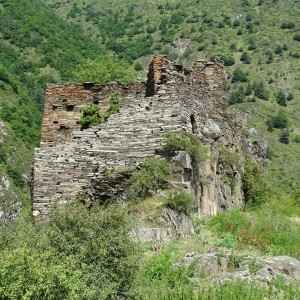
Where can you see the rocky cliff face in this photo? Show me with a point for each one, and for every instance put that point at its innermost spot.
(73, 163)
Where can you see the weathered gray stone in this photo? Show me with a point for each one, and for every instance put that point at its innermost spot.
(70, 160)
(225, 266)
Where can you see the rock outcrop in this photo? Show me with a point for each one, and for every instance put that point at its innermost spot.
(225, 266)
(72, 163)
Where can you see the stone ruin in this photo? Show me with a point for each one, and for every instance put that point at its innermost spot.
(72, 163)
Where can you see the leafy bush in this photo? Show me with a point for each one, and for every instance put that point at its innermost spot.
(149, 177)
(297, 139)
(245, 58)
(260, 90)
(282, 98)
(180, 201)
(91, 115)
(239, 76)
(287, 25)
(237, 96)
(278, 121)
(284, 137)
(138, 67)
(297, 37)
(81, 254)
(254, 186)
(228, 60)
(185, 142)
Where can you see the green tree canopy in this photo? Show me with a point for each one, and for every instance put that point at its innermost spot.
(105, 69)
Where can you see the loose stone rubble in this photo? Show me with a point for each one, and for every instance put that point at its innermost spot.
(71, 163)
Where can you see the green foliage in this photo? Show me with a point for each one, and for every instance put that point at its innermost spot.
(239, 76)
(267, 229)
(81, 254)
(297, 37)
(282, 98)
(237, 96)
(105, 69)
(254, 186)
(287, 25)
(232, 290)
(260, 90)
(180, 201)
(245, 58)
(284, 137)
(162, 277)
(185, 142)
(160, 272)
(138, 67)
(278, 121)
(297, 139)
(149, 177)
(228, 60)
(91, 115)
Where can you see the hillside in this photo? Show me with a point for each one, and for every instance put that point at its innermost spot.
(257, 40)
(134, 231)
(36, 48)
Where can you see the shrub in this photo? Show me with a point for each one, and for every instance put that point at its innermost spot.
(180, 201)
(252, 45)
(138, 66)
(279, 50)
(284, 137)
(297, 37)
(297, 139)
(254, 186)
(185, 142)
(228, 60)
(239, 75)
(260, 90)
(91, 115)
(282, 98)
(287, 25)
(269, 55)
(278, 121)
(245, 58)
(81, 254)
(237, 96)
(149, 177)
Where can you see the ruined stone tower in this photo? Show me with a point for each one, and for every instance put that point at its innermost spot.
(70, 160)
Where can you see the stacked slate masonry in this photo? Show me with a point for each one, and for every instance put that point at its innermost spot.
(72, 163)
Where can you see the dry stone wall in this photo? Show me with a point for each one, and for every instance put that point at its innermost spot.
(70, 161)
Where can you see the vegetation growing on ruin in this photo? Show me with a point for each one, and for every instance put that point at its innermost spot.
(185, 142)
(151, 176)
(91, 115)
(180, 201)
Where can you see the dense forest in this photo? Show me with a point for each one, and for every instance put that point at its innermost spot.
(87, 254)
